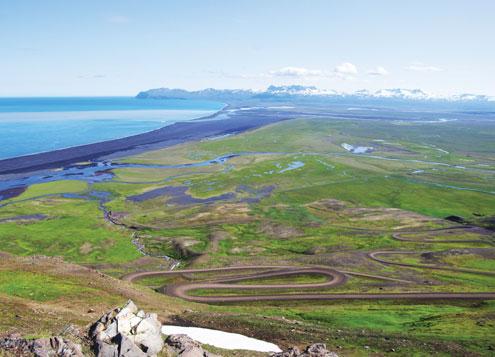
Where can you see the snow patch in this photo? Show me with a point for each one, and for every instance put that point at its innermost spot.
(357, 149)
(221, 339)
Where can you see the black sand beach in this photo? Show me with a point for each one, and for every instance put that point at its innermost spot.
(234, 122)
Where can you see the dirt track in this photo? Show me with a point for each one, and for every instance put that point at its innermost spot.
(334, 278)
(330, 297)
(374, 256)
(398, 236)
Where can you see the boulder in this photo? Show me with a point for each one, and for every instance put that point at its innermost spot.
(127, 332)
(314, 350)
(127, 348)
(318, 350)
(103, 348)
(41, 347)
(184, 346)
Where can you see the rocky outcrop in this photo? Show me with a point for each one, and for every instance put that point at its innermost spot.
(315, 350)
(127, 332)
(41, 347)
(184, 346)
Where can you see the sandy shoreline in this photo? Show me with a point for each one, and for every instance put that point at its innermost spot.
(167, 136)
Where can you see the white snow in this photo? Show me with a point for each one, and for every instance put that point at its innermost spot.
(357, 149)
(221, 339)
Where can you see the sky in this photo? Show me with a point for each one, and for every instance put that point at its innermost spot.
(120, 47)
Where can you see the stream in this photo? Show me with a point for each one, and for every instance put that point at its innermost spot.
(94, 172)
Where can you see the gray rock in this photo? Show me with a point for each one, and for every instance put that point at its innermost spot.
(291, 352)
(141, 314)
(185, 346)
(97, 328)
(314, 350)
(319, 350)
(110, 331)
(145, 334)
(42, 347)
(193, 352)
(108, 349)
(128, 308)
(127, 332)
(127, 348)
(181, 341)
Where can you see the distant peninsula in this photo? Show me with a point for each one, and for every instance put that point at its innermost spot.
(310, 94)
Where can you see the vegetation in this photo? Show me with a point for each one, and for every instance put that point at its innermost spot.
(73, 228)
(53, 188)
(293, 196)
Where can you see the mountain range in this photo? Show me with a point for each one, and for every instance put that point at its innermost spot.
(299, 92)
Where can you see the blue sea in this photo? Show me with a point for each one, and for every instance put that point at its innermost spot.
(33, 125)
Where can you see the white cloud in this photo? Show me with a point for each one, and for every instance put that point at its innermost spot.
(118, 19)
(346, 69)
(378, 71)
(297, 72)
(421, 67)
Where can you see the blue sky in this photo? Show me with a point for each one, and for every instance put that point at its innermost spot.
(112, 47)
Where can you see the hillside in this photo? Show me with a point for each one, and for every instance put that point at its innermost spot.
(362, 255)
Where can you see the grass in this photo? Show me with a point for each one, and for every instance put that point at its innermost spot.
(155, 281)
(472, 261)
(464, 281)
(39, 286)
(323, 135)
(40, 296)
(52, 188)
(74, 230)
(293, 224)
(444, 328)
(293, 279)
(397, 193)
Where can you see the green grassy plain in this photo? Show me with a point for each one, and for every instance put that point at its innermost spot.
(74, 229)
(332, 210)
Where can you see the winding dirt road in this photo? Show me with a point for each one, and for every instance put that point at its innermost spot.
(399, 236)
(333, 277)
(374, 256)
(468, 229)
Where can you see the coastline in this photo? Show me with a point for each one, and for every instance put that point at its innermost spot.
(165, 124)
(35, 125)
(169, 135)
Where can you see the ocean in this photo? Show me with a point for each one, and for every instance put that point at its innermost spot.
(33, 125)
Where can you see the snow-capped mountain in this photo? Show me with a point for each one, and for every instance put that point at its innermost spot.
(298, 91)
(396, 93)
